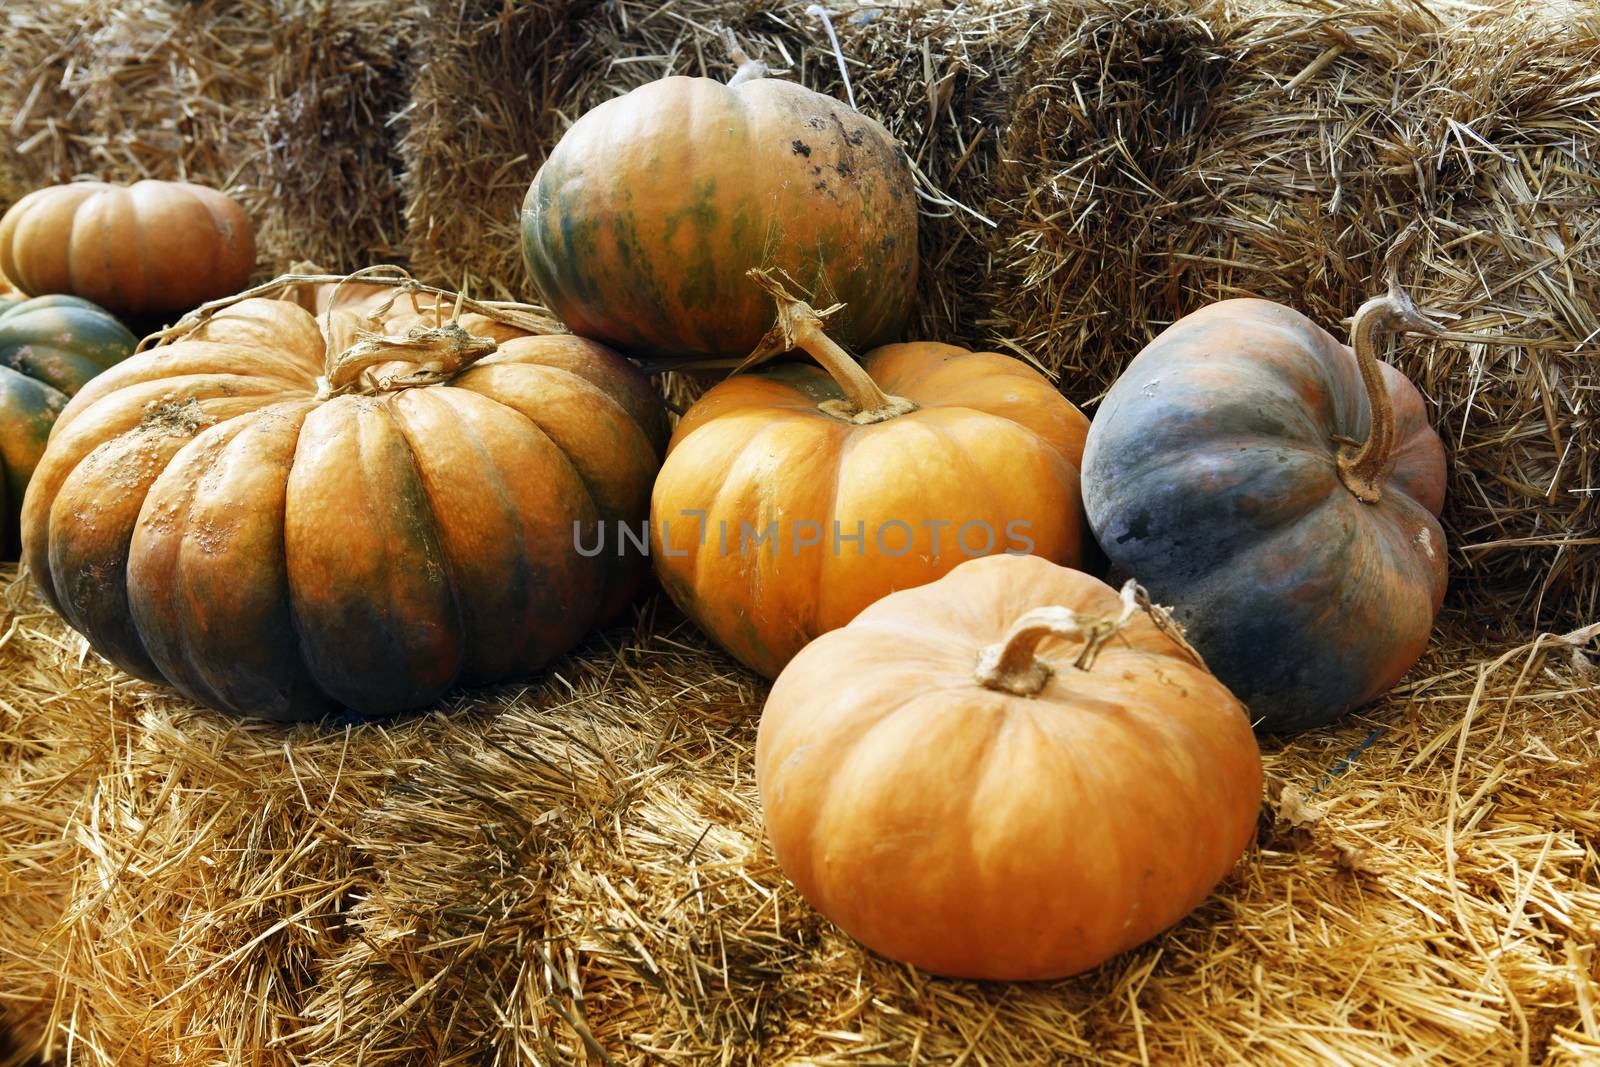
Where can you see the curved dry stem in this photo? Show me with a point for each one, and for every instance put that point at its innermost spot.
(818, 11)
(1011, 665)
(439, 353)
(800, 326)
(1362, 467)
(530, 318)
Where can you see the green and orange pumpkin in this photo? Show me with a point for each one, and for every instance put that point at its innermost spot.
(283, 513)
(1282, 492)
(793, 497)
(640, 226)
(49, 348)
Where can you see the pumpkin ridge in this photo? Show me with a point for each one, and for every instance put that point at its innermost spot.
(716, 508)
(854, 737)
(490, 476)
(170, 647)
(324, 634)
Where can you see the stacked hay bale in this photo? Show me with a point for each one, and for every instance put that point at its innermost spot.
(497, 87)
(284, 105)
(574, 870)
(1171, 153)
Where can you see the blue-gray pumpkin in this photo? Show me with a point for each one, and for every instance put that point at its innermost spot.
(1282, 492)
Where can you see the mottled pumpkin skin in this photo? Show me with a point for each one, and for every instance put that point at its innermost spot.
(983, 834)
(205, 520)
(641, 224)
(49, 347)
(143, 249)
(991, 442)
(1211, 475)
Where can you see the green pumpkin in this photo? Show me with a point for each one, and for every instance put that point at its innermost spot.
(49, 347)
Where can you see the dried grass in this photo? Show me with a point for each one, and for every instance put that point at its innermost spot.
(1170, 153)
(498, 86)
(283, 104)
(574, 871)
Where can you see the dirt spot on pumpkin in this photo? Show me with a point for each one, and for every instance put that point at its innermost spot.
(176, 416)
(801, 148)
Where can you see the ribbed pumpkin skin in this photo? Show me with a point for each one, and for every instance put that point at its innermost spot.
(206, 521)
(1211, 475)
(992, 441)
(49, 347)
(147, 248)
(982, 834)
(639, 227)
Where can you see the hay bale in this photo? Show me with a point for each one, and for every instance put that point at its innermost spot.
(498, 86)
(284, 105)
(489, 77)
(326, 185)
(574, 871)
(1171, 153)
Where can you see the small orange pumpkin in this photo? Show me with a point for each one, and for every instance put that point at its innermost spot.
(147, 248)
(793, 497)
(1009, 773)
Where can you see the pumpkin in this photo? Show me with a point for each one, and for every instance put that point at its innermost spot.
(1282, 491)
(640, 225)
(148, 248)
(282, 514)
(1013, 773)
(793, 497)
(10, 295)
(49, 347)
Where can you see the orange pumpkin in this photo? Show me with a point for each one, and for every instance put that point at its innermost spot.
(639, 227)
(793, 497)
(1010, 773)
(282, 514)
(147, 248)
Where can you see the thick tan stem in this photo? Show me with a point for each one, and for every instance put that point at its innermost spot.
(1012, 664)
(439, 353)
(1362, 468)
(800, 326)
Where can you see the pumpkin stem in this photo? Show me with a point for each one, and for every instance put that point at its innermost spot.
(529, 318)
(749, 69)
(1011, 664)
(1362, 468)
(800, 326)
(439, 353)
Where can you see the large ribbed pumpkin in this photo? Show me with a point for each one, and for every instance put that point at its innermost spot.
(49, 348)
(1010, 773)
(1282, 492)
(793, 497)
(142, 249)
(640, 225)
(281, 515)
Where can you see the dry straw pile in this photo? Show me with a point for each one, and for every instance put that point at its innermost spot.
(1170, 153)
(281, 103)
(573, 871)
(498, 84)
